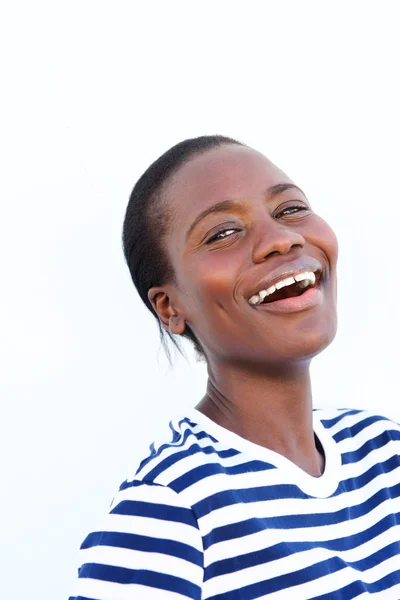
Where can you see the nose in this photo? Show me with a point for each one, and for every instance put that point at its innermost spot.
(273, 237)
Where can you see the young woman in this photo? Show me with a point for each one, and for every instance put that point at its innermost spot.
(255, 494)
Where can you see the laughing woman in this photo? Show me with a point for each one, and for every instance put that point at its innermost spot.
(255, 494)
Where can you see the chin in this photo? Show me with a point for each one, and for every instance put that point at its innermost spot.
(309, 344)
(300, 345)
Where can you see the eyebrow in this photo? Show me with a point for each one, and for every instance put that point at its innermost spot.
(226, 205)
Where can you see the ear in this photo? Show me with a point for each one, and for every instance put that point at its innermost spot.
(170, 318)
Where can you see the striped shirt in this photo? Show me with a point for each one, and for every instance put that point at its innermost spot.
(211, 515)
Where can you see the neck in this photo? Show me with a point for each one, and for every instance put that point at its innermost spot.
(271, 409)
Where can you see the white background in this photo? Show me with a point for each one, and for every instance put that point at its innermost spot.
(91, 93)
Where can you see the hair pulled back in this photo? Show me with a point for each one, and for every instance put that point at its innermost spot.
(146, 223)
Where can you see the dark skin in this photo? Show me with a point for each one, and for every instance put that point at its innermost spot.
(258, 360)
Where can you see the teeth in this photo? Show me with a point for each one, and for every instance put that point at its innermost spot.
(303, 279)
(289, 281)
(305, 275)
(305, 283)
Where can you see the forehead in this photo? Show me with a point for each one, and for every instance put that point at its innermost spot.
(228, 172)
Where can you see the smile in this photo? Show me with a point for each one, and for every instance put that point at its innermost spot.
(287, 287)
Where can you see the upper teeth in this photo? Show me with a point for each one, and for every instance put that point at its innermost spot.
(304, 279)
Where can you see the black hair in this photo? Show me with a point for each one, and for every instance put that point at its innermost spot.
(143, 245)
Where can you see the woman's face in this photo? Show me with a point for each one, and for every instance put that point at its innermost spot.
(239, 226)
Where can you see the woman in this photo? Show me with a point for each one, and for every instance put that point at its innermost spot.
(255, 494)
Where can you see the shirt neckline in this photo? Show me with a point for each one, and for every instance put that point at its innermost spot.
(319, 487)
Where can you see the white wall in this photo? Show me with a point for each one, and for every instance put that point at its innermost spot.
(92, 92)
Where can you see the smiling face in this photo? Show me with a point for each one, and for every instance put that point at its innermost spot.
(240, 237)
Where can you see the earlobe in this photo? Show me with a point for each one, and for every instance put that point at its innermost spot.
(177, 324)
(170, 319)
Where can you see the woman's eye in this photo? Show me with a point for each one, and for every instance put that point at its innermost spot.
(290, 210)
(222, 234)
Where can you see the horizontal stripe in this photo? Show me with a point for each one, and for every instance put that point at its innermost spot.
(282, 491)
(141, 577)
(95, 589)
(265, 538)
(339, 421)
(209, 515)
(348, 497)
(360, 427)
(303, 564)
(349, 548)
(132, 541)
(139, 560)
(188, 436)
(155, 511)
(378, 442)
(298, 521)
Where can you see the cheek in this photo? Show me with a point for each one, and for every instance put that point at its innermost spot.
(212, 275)
(324, 238)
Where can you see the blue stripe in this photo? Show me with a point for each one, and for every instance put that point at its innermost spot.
(190, 451)
(203, 471)
(349, 592)
(285, 549)
(357, 483)
(380, 441)
(281, 582)
(133, 541)
(138, 483)
(164, 512)
(351, 432)
(248, 495)
(81, 598)
(176, 436)
(142, 577)
(329, 423)
(357, 588)
(297, 521)
(281, 491)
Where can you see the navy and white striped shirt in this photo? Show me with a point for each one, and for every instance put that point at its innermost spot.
(210, 515)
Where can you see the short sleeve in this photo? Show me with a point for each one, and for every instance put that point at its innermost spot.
(148, 546)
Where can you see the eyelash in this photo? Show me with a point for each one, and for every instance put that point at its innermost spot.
(298, 207)
(215, 237)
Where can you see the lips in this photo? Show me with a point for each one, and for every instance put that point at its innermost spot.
(284, 271)
(290, 287)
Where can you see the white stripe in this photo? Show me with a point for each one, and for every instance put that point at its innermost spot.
(355, 442)
(338, 580)
(190, 462)
(375, 457)
(157, 528)
(137, 560)
(266, 538)
(217, 482)
(173, 449)
(235, 513)
(302, 560)
(148, 492)
(106, 590)
(349, 421)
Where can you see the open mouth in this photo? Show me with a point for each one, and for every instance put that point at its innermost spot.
(290, 287)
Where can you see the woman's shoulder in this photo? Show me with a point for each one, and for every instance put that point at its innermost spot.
(179, 448)
(340, 418)
(357, 432)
